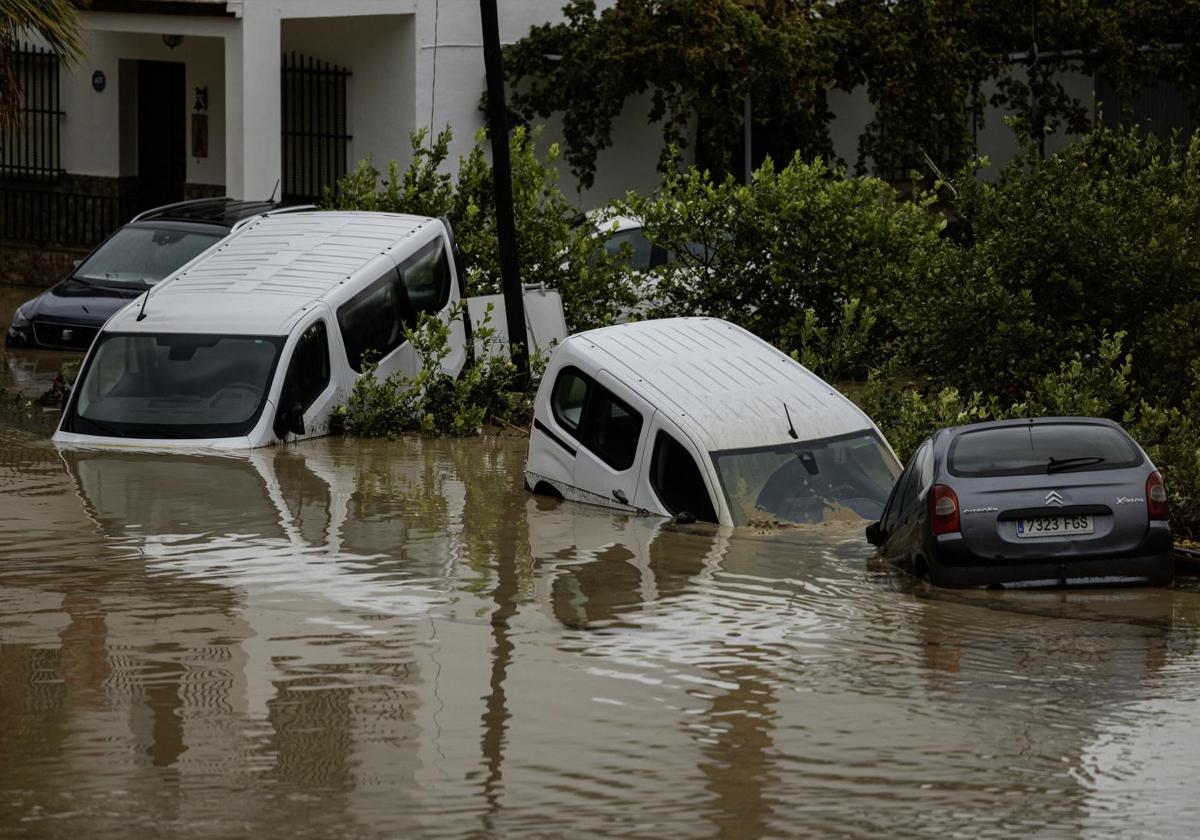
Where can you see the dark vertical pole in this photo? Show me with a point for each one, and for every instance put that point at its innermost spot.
(514, 303)
(1035, 118)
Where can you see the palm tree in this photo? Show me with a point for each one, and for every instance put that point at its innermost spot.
(54, 21)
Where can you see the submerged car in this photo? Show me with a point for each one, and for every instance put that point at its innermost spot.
(697, 418)
(135, 257)
(1029, 503)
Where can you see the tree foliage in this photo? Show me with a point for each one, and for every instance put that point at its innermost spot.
(53, 21)
(554, 245)
(929, 67)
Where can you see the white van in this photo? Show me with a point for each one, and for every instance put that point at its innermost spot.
(698, 418)
(258, 339)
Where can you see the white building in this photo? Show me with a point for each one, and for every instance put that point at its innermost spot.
(176, 99)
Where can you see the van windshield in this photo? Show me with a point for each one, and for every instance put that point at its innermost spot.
(174, 386)
(845, 478)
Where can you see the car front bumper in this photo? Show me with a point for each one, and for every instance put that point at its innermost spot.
(1149, 563)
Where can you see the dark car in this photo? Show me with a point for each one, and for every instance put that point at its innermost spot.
(68, 314)
(1050, 502)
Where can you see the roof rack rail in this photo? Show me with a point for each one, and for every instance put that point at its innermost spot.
(172, 206)
(292, 209)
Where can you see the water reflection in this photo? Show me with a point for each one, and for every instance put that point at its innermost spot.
(348, 638)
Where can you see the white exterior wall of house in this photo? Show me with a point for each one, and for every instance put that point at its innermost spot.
(415, 64)
(389, 47)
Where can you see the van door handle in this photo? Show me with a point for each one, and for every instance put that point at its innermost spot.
(620, 496)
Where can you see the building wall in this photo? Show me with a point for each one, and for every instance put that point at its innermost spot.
(380, 50)
(92, 130)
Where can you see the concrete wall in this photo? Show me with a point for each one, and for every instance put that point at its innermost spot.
(380, 50)
(92, 129)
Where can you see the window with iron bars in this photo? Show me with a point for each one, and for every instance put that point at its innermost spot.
(315, 138)
(31, 146)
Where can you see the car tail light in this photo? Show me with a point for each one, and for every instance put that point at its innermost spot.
(943, 510)
(1156, 497)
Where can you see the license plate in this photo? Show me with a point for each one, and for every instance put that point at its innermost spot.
(1055, 526)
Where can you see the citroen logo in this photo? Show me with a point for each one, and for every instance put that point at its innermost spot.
(1052, 498)
(67, 334)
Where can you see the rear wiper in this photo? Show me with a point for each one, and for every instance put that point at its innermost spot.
(1056, 465)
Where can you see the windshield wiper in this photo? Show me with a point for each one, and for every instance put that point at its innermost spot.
(1055, 465)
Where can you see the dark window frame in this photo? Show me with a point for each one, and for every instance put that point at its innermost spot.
(584, 432)
(1136, 461)
(707, 514)
(314, 393)
(437, 244)
(350, 343)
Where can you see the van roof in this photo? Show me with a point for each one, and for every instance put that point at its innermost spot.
(720, 383)
(261, 278)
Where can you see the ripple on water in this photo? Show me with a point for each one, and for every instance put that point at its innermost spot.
(349, 638)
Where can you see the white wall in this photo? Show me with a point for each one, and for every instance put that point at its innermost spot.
(380, 50)
(90, 130)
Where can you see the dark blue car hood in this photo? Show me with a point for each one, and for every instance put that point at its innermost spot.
(71, 301)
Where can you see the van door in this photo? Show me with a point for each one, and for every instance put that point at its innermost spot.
(309, 388)
(613, 434)
(674, 478)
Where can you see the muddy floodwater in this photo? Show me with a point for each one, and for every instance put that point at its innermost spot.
(369, 639)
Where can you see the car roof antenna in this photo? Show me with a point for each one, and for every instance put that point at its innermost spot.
(791, 427)
(142, 311)
(274, 190)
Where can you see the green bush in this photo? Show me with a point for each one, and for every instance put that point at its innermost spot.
(487, 391)
(802, 256)
(553, 247)
(1102, 237)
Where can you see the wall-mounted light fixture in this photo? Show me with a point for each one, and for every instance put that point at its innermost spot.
(172, 41)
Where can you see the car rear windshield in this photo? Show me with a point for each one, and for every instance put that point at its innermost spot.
(1040, 449)
(846, 478)
(139, 257)
(174, 386)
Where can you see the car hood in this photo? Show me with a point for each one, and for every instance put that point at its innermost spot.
(78, 303)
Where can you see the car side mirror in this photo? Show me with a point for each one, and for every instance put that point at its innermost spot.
(875, 535)
(66, 397)
(685, 517)
(291, 420)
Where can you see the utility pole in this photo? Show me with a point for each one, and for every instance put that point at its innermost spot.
(506, 230)
(1036, 118)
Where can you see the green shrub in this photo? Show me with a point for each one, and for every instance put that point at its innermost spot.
(803, 256)
(553, 247)
(1101, 237)
(487, 391)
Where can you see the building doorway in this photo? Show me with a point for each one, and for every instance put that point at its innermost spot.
(161, 133)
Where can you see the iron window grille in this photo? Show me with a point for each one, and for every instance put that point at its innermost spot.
(316, 138)
(31, 147)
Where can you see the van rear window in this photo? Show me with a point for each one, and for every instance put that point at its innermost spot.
(1040, 449)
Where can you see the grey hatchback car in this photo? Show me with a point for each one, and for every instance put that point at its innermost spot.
(1056, 501)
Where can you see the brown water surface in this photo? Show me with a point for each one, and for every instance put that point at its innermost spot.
(389, 639)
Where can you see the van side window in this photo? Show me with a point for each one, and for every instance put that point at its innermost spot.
(308, 373)
(611, 429)
(677, 480)
(373, 320)
(597, 418)
(427, 278)
(567, 398)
